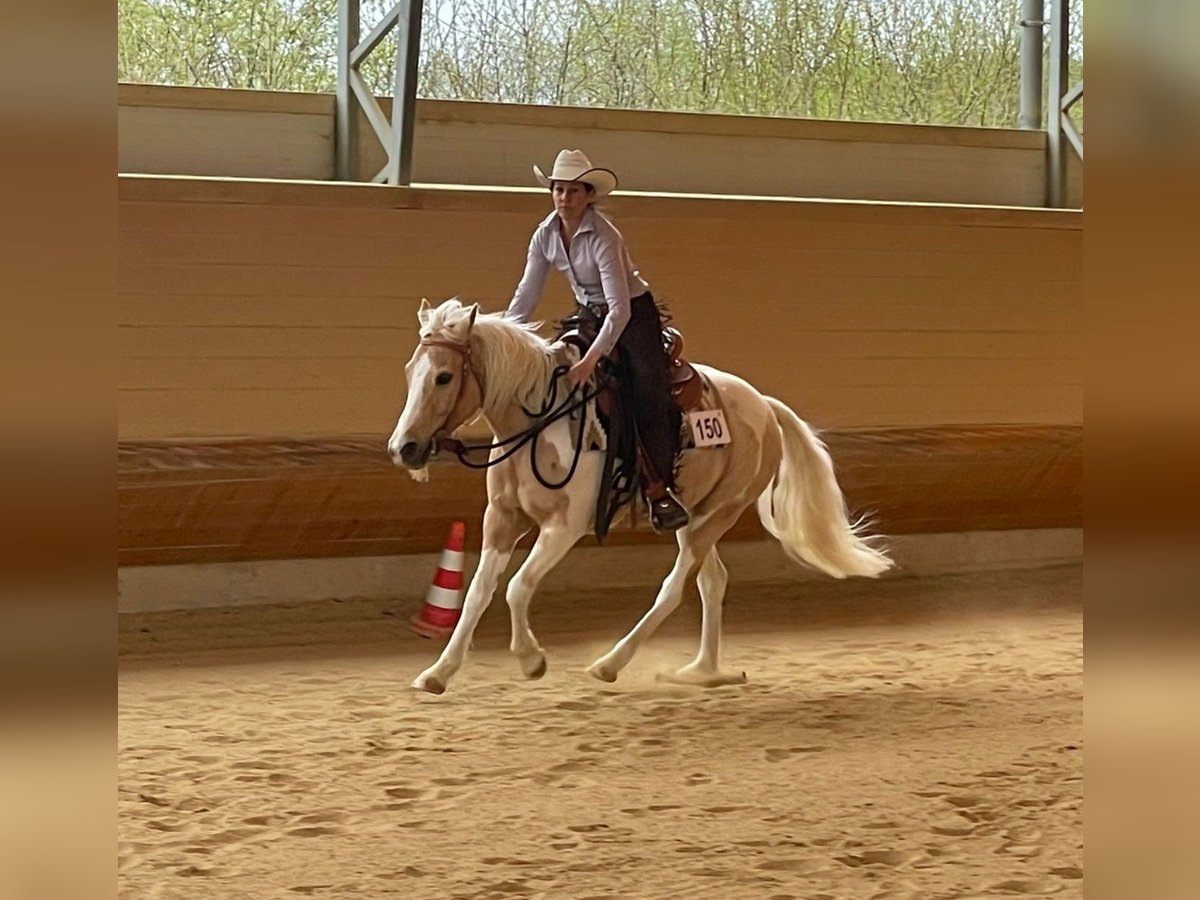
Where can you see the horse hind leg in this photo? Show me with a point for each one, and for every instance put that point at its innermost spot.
(549, 549)
(696, 541)
(607, 667)
(705, 669)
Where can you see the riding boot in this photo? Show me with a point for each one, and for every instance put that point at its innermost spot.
(666, 512)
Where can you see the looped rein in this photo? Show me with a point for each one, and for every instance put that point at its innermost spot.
(544, 417)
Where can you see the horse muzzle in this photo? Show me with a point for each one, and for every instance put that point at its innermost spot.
(410, 454)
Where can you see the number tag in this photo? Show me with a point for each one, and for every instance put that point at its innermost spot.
(709, 428)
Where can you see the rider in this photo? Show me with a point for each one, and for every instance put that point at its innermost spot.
(586, 247)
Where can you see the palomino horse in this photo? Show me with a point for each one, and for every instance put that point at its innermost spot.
(467, 364)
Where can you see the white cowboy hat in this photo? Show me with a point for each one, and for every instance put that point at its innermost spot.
(573, 165)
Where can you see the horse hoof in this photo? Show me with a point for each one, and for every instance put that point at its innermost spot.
(430, 685)
(601, 673)
(702, 677)
(537, 670)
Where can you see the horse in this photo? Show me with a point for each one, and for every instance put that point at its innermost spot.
(468, 364)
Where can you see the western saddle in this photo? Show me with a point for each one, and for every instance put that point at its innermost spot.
(625, 464)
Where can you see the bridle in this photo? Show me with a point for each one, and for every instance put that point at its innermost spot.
(468, 371)
(542, 418)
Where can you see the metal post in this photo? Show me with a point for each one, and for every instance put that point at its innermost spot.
(1056, 161)
(404, 98)
(345, 113)
(354, 94)
(1033, 15)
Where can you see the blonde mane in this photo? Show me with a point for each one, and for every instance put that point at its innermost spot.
(513, 361)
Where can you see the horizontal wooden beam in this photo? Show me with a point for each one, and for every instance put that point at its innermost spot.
(587, 118)
(219, 501)
(191, 189)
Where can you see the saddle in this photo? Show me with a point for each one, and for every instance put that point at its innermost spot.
(687, 387)
(622, 465)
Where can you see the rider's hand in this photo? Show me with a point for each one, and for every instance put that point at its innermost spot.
(582, 370)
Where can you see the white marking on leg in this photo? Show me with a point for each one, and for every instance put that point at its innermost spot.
(669, 596)
(712, 580)
(492, 564)
(551, 546)
(705, 669)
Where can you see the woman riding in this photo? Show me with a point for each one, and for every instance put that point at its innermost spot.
(587, 248)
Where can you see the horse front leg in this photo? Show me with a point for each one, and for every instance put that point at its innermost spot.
(551, 546)
(501, 531)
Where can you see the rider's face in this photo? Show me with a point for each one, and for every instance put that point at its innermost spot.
(570, 198)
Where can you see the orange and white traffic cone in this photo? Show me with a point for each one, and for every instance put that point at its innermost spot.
(443, 603)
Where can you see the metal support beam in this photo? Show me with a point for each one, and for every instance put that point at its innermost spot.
(346, 123)
(404, 98)
(1056, 162)
(395, 136)
(1061, 132)
(1033, 16)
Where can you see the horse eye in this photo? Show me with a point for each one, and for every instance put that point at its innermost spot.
(443, 378)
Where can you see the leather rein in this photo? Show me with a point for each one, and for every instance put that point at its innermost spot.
(543, 418)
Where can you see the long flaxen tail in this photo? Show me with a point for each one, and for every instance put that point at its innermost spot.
(803, 507)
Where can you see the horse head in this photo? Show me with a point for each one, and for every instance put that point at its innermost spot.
(444, 390)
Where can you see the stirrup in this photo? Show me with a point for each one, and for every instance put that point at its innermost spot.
(667, 514)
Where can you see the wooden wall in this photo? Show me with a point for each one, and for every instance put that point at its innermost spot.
(261, 134)
(264, 327)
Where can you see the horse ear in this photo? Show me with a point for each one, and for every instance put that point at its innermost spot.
(424, 312)
(474, 313)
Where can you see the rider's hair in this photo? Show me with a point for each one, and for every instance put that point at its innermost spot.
(590, 189)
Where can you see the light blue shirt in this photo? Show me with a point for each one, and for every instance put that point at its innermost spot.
(598, 269)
